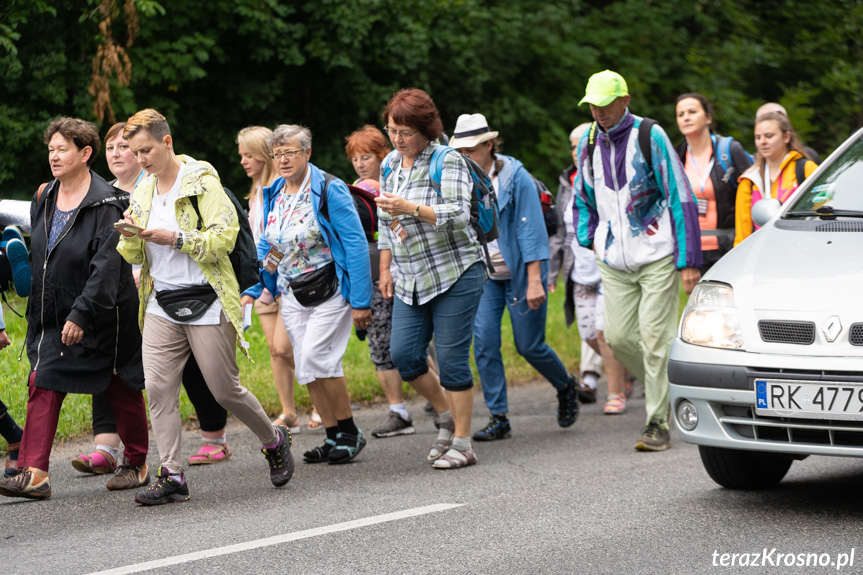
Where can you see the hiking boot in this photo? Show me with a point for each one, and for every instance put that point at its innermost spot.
(655, 437)
(28, 484)
(347, 447)
(165, 490)
(19, 262)
(280, 458)
(567, 404)
(497, 428)
(129, 477)
(394, 425)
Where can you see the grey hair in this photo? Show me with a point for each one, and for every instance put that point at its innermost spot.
(578, 131)
(284, 133)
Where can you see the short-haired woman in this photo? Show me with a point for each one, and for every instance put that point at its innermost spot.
(775, 171)
(440, 271)
(212, 417)
(315, 255)
(253, 145)
(81, 333)
(189, 299)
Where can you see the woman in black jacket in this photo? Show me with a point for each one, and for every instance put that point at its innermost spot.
(713, 164)
(82, 333)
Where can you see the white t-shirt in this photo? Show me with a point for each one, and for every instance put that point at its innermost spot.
(170, 268)
(501, 269)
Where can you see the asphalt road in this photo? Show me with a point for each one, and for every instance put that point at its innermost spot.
(548, 500)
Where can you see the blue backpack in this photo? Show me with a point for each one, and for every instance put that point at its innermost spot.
(723, 154)
(484, 213)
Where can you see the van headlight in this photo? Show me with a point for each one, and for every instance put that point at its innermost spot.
(710, 318)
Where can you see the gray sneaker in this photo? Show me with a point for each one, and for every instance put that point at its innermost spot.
(394, 425)
(655, 437)
(129, 477)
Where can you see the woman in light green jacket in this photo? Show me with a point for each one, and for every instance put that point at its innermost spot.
(190, 299)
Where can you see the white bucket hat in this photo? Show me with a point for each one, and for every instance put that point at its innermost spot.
(470, 130)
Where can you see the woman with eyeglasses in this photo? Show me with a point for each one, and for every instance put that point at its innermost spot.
(181, 226)
(315, 254)
(440, 271)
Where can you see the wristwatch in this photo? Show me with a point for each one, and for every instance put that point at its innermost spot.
(178, 245)
(416, 212)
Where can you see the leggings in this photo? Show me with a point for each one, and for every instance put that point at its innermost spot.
(211, 415)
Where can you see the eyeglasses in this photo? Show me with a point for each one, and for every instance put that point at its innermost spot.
(403, 134)
(289, 154)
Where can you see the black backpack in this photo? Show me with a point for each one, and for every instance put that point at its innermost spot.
(244, 256)
(365, 204)
(549, 209)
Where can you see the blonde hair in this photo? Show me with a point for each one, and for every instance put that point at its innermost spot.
(256, 141)
(785, 127)
(150, 120)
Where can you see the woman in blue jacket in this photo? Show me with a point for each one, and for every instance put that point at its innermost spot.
(520, 260)
(315, 254)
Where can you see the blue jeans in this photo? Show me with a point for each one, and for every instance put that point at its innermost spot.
(448, 317)
(528, 330)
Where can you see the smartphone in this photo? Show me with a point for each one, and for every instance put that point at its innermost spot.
(127, 227)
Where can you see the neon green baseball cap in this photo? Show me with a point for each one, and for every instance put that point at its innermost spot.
(603, 88)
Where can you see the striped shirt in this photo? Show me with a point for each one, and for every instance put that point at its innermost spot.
(433, 256)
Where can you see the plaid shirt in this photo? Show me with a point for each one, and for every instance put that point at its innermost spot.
(432, 257)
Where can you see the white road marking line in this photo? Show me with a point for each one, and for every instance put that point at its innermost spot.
(278, 539)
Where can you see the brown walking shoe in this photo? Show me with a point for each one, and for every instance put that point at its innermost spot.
(129, 477)
(29, 484)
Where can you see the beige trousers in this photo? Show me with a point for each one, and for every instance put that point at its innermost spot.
(166, 347)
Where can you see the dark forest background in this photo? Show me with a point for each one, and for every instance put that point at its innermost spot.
(215, 67)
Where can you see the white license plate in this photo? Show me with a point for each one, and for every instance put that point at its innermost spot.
(822, 400)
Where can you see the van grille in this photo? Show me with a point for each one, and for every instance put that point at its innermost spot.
(842, 226)
(796, 332)
(855, 336)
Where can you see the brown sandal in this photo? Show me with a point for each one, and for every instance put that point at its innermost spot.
(211, 453)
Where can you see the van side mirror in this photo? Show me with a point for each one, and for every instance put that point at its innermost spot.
(764, 210)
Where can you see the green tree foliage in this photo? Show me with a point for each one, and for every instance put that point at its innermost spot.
(215, 68)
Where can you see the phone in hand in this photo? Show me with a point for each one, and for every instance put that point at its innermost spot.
(127, 227)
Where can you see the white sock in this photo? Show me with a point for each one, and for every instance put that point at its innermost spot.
(401, 409)
(113, 451)
(177, 478)
(217, 440)
(461, 443)
(589, 380)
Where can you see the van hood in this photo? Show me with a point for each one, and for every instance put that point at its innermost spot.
(802, 270)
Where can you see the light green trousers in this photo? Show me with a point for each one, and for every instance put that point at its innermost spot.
(641, 311)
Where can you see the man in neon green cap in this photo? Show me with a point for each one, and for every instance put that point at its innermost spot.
(634, 207)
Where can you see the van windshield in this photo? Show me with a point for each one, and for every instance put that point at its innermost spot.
(838, 189)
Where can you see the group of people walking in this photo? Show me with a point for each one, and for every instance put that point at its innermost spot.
(634, 211)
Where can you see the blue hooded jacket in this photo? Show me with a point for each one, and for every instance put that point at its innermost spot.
(343, 234)
(523, 237)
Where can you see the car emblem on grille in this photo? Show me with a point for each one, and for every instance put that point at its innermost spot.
(832, 328)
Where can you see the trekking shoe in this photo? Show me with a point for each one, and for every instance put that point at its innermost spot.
(99, 462)
(129, 477)
(280, 458)
(165, 490)
(394, 425)
(655, 437)
(567, 404)
(496, 429)
(321, 453)
(454, 459)
(9, 233)
(429, 408)
(27, 484)
(19, 264)
(347, 447)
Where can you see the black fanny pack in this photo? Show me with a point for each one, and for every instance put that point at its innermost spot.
(314, 288)
(186, 304)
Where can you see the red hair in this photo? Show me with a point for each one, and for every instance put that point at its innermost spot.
(368, 140)
(414, 108)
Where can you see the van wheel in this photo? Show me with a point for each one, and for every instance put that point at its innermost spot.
(737, 469)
